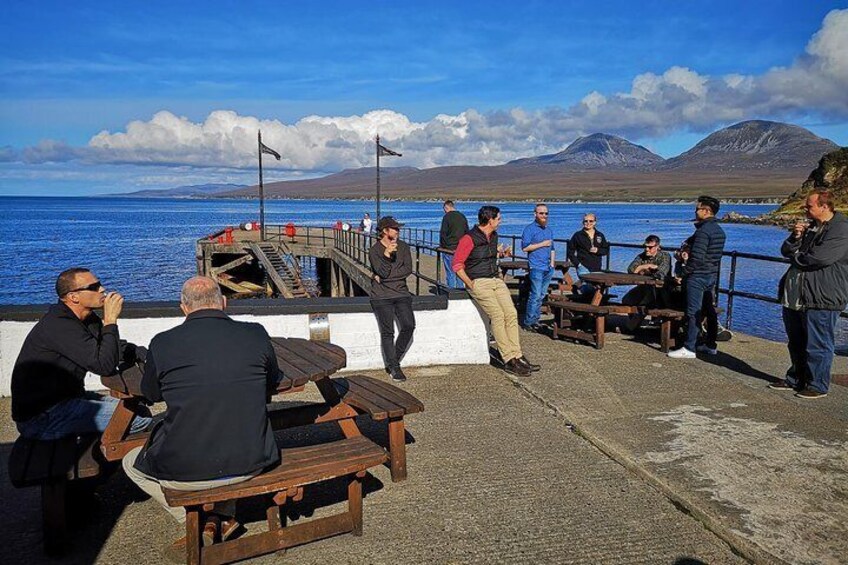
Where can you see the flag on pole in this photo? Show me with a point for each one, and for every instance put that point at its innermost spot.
(384, 151)
(265, 149)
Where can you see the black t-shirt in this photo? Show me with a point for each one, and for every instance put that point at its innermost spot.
(454, 226)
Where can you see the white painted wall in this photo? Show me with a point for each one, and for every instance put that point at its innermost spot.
(455, 336)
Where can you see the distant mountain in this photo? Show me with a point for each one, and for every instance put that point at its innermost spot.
(197, 190)
(752, 145)
(597, 151)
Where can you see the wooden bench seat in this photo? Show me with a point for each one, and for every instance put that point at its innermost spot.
(382, 401)
(50, 465)
(669, 325)
(300, 466)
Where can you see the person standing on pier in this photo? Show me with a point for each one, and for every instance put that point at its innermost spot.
(813, 292)
(365, 224)
(586, 248)
(49, 400)
(391, 301)
(454, 226)
(476, 264)
(706, 246)
(537, 241)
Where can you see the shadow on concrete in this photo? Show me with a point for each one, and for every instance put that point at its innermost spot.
(722, 359)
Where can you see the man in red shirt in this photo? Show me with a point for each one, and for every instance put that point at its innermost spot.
(476, 263)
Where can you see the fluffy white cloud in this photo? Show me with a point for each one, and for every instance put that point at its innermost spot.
(657, 104)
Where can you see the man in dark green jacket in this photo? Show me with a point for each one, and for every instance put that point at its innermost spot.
(813, 292)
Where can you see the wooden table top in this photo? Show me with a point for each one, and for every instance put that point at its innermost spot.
(300, 360)
(613, 279)
(522, 264)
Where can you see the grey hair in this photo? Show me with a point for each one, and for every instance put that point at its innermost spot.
(201, 292)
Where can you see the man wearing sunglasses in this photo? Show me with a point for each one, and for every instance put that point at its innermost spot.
(49, 400)
(537, 241)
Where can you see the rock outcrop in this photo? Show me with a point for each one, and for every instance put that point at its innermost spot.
(831, 175)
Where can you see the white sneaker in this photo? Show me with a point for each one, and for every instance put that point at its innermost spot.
(708, 350)
(682, 353)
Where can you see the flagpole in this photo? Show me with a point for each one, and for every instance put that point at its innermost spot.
(378, 177)
(261, 192)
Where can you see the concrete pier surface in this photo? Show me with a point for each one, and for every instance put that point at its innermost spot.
(614, 456)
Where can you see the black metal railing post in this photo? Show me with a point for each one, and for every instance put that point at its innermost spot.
(731, 291)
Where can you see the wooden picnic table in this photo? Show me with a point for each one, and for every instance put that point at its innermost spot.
(603, 280)
(301, 361)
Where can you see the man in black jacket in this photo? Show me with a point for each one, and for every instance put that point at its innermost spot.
(391, 264)
(813, 292)
(49, 400)
(454, 226)
(214, 374)
(706, 246)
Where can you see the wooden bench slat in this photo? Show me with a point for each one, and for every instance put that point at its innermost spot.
(33, 462)
(329, 351)
(300, 466)
(665, 313)
(291, 365)
(314, 355)
(388, 391)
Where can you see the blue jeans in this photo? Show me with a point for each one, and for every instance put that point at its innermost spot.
(539, 282)
(451, 279)
(811, 347)
(699, 307)
(584, 289)
(85, 415)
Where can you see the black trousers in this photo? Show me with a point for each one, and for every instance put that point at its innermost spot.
(389, 311)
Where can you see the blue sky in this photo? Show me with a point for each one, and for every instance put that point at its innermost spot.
(512, 80)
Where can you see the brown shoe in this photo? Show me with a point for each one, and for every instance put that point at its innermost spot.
(176, 552)
(810, 393)
(532, 367)
(781, 384)
(515, 367)
(228, 528)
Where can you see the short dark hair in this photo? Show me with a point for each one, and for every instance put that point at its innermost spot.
(486, 214)
(824, 198)
(653, 239)
(67, 280)
(710, 202)
(448, 203)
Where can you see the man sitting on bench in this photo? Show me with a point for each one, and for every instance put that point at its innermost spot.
(215, 375)
(49, 400)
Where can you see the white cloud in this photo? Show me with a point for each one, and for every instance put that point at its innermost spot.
(657, 104)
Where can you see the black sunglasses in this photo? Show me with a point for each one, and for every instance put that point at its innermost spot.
(542, 213)
(93, 287)
(588, 221)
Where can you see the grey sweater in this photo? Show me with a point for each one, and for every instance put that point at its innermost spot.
(392, 272)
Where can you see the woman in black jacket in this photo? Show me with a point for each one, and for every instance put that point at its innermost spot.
(586, 248)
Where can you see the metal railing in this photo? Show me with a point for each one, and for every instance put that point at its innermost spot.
(730, 291)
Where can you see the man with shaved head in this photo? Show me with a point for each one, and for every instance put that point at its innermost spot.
(49, 400)
(214, 375)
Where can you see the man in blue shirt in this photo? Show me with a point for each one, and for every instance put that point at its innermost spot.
(537, 242)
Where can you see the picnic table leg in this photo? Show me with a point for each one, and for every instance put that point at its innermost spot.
(665, 336)
(354, 496)
(331, 396)
(53, 523)
(397, 449)
(276, 518)
(600, 326)
(193, 544)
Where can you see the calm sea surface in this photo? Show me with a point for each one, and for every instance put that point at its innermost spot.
(145, 248)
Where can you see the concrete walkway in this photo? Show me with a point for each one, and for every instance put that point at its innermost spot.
(673, 462)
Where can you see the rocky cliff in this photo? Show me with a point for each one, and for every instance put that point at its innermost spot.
(831, 174)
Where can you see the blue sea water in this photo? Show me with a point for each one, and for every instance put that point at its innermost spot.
(144, 248)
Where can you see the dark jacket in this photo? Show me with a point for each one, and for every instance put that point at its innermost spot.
(454, 226)
(55, 357)
(392, 272)
(578, 250)
(482, 262)
(822, 257)
(214, 375)
(705, 248)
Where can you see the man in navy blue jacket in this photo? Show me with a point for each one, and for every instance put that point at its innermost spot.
(700, 278)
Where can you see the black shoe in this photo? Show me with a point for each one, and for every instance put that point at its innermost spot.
(398, 376)
(515, 367)
(532, 367)
(781, 385)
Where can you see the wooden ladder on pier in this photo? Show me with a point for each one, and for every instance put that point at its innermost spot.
(282, 269)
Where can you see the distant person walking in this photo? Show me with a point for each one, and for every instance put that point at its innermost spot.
(365, 224)
(586, 248)
(454, 226)
(537, 241)
(391, 301)
(700, 276)
(476, 263)
(813, 292)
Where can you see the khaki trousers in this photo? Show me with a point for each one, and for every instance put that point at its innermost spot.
(153, 487)
(494, 298)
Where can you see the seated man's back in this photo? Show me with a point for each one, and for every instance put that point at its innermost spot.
(214, 374)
